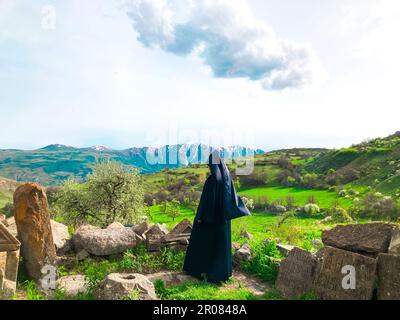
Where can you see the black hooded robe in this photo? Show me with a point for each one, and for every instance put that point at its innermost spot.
(209, 254)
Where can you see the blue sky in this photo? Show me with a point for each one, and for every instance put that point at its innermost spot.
(265, 73)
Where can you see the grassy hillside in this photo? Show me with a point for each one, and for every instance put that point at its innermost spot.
(374, 163)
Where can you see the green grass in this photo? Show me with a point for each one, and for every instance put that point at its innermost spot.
(324, 198)
(158, 217)
(201, 291)
(298, 231)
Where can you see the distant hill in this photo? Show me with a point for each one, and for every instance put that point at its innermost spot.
(374, 163)
(55, 163)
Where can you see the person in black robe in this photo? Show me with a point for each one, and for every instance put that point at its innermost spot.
(209, 254)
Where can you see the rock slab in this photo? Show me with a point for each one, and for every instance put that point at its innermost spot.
(73, 285)
(297, 274)
(369, 239)
(332, 273)
(61, 237)
(34, 229)
(388, 277)
(104, 242)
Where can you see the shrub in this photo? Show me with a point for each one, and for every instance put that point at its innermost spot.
(310, 180)
(312, 209)
(249, 203)
(254, 179)
(277, 208)
(339, 215)
(290, 202)
(172, 260)
(312, 199)
(261, 203)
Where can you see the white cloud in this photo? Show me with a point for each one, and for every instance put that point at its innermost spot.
(228, 39)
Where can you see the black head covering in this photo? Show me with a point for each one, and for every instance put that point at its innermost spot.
(232, 205)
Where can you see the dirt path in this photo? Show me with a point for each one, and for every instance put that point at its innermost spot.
(242, 280)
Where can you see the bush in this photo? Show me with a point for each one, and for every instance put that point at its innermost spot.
(111, 193)
(249, 203)
(261, 203)
(339, 215)
(290, 202)
(253, 180)
(310, 180)
(312, 209)
(276, 207)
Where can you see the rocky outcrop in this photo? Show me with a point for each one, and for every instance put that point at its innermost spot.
(369, 239)
(34, 229)
(104, 242)
(297, 274)
(118, 286)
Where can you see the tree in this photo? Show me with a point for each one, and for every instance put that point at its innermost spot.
(112, 192)
(73, 203)
(117, 193)
(173, 209)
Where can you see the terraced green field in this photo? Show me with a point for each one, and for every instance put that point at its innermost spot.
(324, 198)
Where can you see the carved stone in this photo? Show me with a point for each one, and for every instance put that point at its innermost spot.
(296, 274)
(333, 273)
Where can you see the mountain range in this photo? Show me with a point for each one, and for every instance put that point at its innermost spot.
(56, 163)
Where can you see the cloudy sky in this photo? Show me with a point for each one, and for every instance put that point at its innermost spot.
(266, 73)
